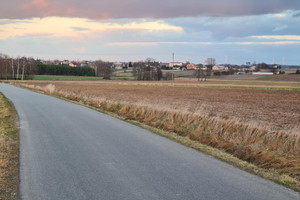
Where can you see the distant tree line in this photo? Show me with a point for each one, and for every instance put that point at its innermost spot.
(21, 68)
(64, 70)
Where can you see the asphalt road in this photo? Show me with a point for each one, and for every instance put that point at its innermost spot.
(72, 152)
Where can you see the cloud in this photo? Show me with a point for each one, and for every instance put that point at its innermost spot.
(278, 37)
(77, 27)
(3, 22)
(110, 9)
(280, 28)
(40, 3)
(280, 43)
(225, 28)
(80, 29)
(242, 30)
(297, 14)
(126, 44)
(37, 34)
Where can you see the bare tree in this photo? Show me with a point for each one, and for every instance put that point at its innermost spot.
(18, 67)
(210, 62)
(149, 71)
(12, 69)
(201, 73)
(23, 68)
(103, 69)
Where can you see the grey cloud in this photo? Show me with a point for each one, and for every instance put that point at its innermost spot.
(236, 27)
(80, 29)
(115, 9)
(280, 28)
(13, 22)
(297, 14)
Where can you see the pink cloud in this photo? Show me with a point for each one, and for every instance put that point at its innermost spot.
(201, 43)
(278, 37)
(280, 43)
(40, 3)
(38, 34)
(133, 44)
(141, 8)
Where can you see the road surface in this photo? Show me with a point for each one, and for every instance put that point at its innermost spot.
(72, 152)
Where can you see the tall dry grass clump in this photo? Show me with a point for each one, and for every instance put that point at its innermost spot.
(266, 148)
(50, 88)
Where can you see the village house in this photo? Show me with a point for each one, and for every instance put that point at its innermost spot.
(175, 64)
(84, 64)
(191, 67)
(73, 64)
(253, 68)
(65, 62)
(219, 68)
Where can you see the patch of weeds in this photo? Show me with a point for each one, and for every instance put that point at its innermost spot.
(286, 180)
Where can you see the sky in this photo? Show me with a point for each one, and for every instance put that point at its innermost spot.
(231, 31)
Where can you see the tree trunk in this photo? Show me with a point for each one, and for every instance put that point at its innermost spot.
(18, 69)
(23, 70)
(6, 71)
(13, 69)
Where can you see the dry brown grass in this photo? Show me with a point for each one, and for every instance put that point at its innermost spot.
(9, 151)
(258, 126)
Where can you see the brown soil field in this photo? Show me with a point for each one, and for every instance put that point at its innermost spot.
(275, 109)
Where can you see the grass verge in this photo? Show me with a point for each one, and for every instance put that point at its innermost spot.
(9, 151)
(269, 154)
